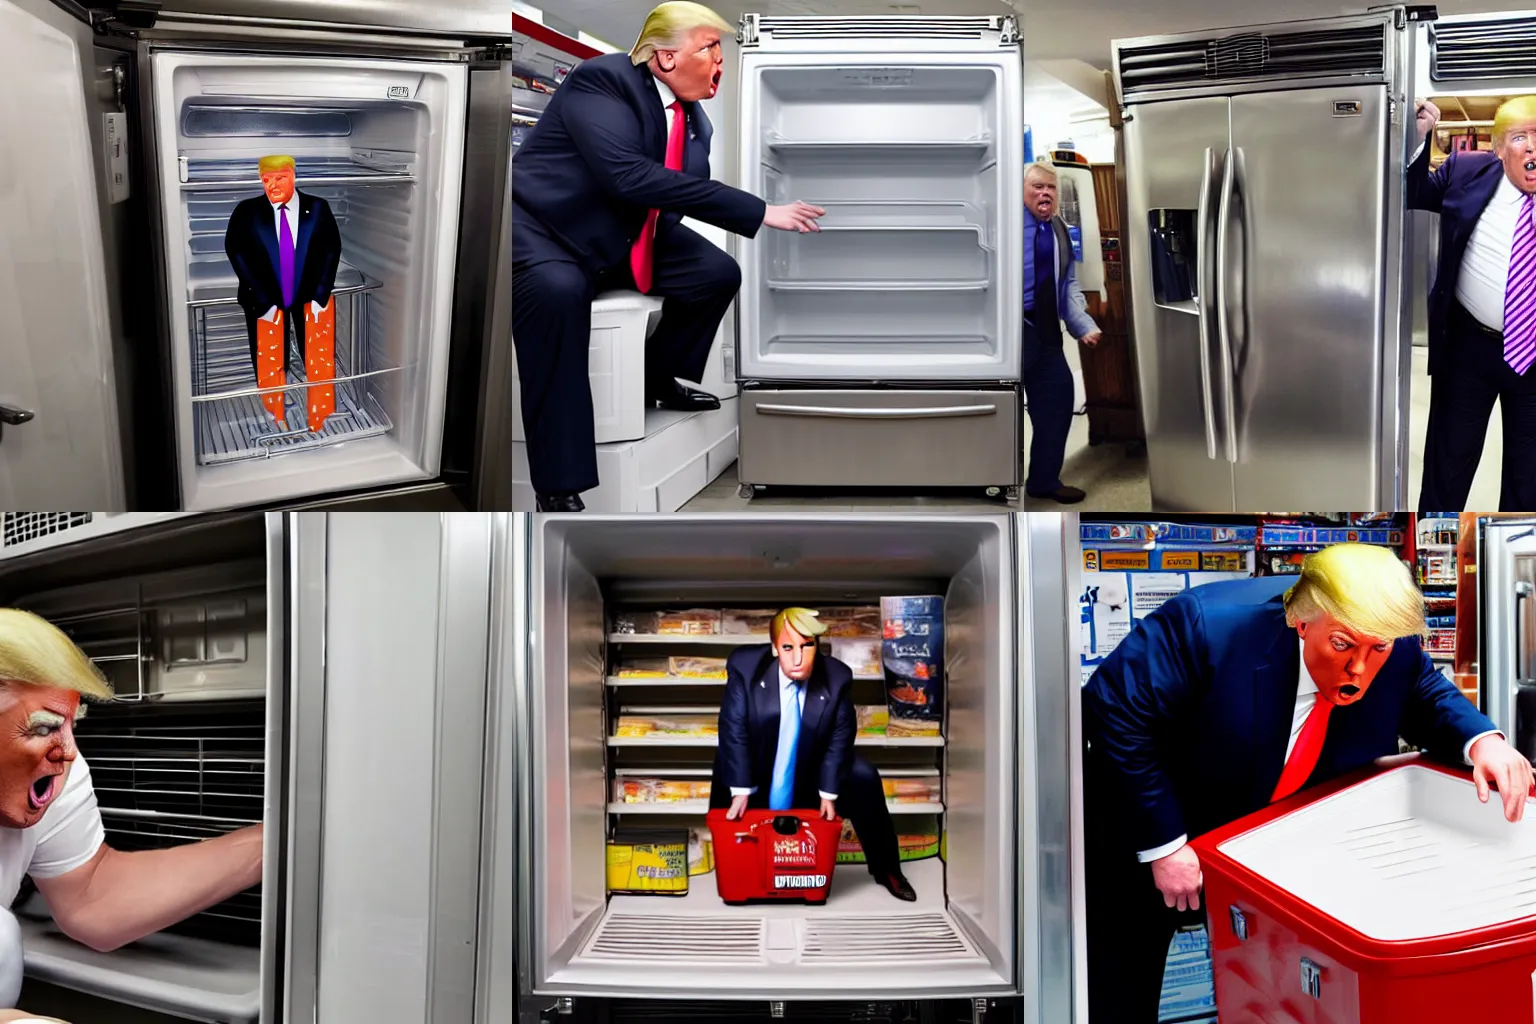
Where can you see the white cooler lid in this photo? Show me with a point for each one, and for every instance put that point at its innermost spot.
(1409, 854)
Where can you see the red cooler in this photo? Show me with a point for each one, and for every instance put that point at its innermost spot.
(1388, 897)
(774, 856)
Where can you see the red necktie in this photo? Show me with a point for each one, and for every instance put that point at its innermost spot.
(640, 255)
(1309, 745)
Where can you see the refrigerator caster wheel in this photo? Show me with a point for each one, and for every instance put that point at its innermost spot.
(747, 491)
(1011, 493)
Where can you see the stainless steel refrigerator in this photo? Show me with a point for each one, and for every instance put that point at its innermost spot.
(1266, 245)
(128, 382)
(885, 349)
(1506, 654)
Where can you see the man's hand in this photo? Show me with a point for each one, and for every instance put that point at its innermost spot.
(1495, 761)
(270, 316)
(1091, 338)
(797, 216)
(1178, 877)
(738, 808)
(828, 809)
(1425, 116)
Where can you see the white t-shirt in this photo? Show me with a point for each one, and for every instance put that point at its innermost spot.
(68, 835)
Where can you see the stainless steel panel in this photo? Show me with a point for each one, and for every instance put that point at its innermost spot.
(305, 600)
(857, 438)
(473, 17)
(1305, 295)
(520, 622)
(495, 946)
(1167, 169)
(1424, 257)
(275, 785)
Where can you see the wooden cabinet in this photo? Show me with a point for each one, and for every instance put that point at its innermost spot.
(1109, 368)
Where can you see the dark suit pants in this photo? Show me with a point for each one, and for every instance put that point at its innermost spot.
(1129, 926)
(1461, 399)
(1048, 388)
(860, 799)
(551, 328)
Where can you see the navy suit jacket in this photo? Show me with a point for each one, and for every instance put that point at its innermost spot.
(250, 242)
(1459, 192)
(1192, 712)
(749, 727)
(594, 165)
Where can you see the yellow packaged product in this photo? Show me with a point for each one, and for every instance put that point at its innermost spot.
(648, 862)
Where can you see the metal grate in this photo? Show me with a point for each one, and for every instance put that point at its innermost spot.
(236, 429)
(20, 527)
(914, 937)
(655, 939)
(1471, 50)
(1254, 57)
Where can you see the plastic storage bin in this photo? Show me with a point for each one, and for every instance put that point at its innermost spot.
(1390, 897)
(774, 856)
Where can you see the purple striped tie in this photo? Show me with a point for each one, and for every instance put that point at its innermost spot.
(285, 257)
(1520, 294)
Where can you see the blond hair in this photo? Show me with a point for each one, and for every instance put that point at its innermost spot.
(268, 164)
(1512, 112)
(802, 620)
(1365, 587)
(669, 23)
(35, 652)
(1041, 167)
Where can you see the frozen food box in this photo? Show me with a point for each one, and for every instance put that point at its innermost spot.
(648, 862)
(872, 719)
(644, 668)
(912, 656)
(747, 621)
(641, 722)
(912, 791)
(701, 851)
(862, 656)
(652, 790)
(852, 622)
(917, 838)
(690, 622)
(689, 666)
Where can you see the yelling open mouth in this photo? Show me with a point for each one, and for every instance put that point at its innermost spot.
(42, 792)
(1349, 690)
(714, 83)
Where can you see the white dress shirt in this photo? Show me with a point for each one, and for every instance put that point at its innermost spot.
(1306, 699)
(786, 685)
(668, 97)
(1484, 273)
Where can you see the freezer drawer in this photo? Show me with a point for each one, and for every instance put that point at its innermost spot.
(880, 438)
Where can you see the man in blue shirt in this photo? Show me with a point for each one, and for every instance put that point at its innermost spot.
(1051, 296)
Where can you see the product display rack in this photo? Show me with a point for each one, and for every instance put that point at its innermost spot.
(541, 58)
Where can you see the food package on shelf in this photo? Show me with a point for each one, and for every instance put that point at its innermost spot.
(644, 668)
(689, 622)
(688, 666)
(861, 655)
(872, 718)
(917, 838)
(701, 851)
(636, 722)
(648, 862)
(852, 622)
(913, 660)
(746, 621)
(634, 623)
(925, 790)
(655, 790)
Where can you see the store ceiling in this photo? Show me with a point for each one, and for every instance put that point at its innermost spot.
(1053, 29)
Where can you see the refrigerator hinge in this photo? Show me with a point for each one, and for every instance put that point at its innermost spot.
(564, 1006)
(775, 1010)
(134, 13)
(978, 1010)
(746, 31)
(1009, 30)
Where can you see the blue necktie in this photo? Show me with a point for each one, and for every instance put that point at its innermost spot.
(781, 796)
(1045, 313)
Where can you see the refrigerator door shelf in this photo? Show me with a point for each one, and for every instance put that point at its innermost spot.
(880, 438)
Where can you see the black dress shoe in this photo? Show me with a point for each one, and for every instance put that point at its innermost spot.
(896, 883)
(1063, 494)
(680, 397)
(560, 503)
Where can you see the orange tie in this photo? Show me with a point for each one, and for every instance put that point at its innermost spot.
(640, 255)
(1309, 745)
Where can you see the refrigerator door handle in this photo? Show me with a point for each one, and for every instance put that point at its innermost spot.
(1207, 300)
(1229, 188)
(841, 412)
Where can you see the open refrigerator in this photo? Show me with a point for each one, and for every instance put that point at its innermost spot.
(266, 669)
(396, 119)
(1506, 618)
(995, 908)
(885, 349)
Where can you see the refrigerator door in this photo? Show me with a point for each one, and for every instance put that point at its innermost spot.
(59, 442)
(906, 141)
(381, 143)
(1300, 294)
(1175, 154)
(1507, 628)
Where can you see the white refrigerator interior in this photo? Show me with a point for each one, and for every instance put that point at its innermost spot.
(380, 141)
(966, 930)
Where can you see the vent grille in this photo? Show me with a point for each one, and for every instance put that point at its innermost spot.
(1254, 57)
(20, 527)
(655, 939)
(913, 937)
(1482, 49)
(881, 27)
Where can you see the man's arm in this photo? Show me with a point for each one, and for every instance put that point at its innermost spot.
(607, 135)
(328, 237)
(1143, 685)
(116, 898)
(735, 748)
(845, 726)
(1075, 313)
(1440, 718)
(1426, 188)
